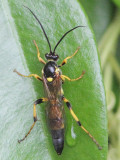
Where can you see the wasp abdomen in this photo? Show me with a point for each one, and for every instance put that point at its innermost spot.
(58, 140)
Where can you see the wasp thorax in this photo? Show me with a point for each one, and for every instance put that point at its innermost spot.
(49, 70)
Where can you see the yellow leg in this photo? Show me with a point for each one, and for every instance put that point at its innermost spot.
(38, 54)
(39, 101)
(31, 75)
(34, 116)
(27, 133)
(63, 77)
(65, 60)
(78, 122)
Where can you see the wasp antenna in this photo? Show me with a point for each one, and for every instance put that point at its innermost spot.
(40, 26)
(65, 35)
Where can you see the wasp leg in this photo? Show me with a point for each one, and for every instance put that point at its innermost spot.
(79, 123)
(65, 60)
(63, 77)
(31, 75)
(34, 115)
(38, 54)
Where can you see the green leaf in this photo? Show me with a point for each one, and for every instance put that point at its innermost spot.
(117, 3)
(100, 13)
(87, 96)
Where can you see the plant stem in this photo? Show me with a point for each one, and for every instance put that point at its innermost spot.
(109, 40)
(115, 66)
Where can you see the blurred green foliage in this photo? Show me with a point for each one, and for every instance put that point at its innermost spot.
(100, 13)
(109, 47)
(117, 3)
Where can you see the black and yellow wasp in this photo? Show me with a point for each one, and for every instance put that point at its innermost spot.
(52, 79)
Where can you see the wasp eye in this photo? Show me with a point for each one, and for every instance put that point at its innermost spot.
(49, 79)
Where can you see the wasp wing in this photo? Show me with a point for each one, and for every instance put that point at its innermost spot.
(53, 89)
(46, 87)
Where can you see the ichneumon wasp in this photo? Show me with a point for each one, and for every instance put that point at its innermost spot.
(52, 79)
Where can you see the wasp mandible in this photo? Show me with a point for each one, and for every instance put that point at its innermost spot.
(52, 79)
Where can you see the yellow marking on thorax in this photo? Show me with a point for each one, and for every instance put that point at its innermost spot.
(42, 72)
(49, 79)
(61, 92)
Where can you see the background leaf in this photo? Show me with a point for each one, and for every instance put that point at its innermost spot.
(18, 94)
(100, 13)
(117, 3)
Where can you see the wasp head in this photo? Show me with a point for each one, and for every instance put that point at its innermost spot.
(51, 56)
